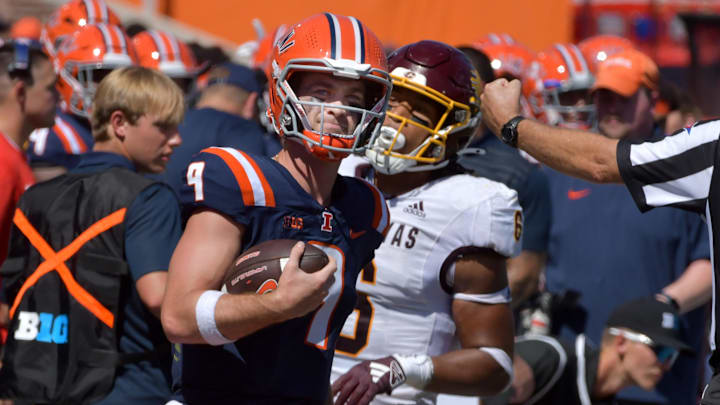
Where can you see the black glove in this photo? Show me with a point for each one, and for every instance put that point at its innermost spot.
(371, 377)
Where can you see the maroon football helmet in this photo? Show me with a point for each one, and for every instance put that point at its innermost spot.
(444, 75)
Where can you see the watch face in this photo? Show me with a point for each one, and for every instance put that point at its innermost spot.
(509, 131)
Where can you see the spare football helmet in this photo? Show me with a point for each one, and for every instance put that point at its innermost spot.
(598, 48)
(72, 16)
(557, 86)
(443, 75)
(508, 58)
(84, 58)
(162, 51)
(344, 48)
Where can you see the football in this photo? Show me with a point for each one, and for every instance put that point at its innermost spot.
(257, 270)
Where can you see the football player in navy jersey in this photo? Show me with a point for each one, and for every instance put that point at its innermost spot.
(328, 90)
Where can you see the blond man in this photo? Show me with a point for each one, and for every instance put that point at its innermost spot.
(114, 231)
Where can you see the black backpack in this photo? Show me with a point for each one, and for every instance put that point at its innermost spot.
(62, 345)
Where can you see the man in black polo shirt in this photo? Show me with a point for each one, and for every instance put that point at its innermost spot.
(675, 171)
(640, 342)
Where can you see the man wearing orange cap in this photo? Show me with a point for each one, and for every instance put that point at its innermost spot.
(612, 261)
(625, 92)
(674, 171)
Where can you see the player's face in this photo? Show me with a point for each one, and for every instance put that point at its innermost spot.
(643, 366)
(574, 98)
(619, 116)
(416, 108)
(149, 143)
(324, 88)
(41, 97)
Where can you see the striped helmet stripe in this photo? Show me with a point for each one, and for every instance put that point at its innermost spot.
(90, 10)
(359, 40)
(159, 44)
(107, 38)
(121, 38)
(335, 36)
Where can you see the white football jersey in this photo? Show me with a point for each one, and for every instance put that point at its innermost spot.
(404, 297)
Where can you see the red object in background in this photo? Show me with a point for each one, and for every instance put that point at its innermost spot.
(653, 27)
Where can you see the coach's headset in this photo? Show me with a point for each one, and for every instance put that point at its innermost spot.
(22, 50)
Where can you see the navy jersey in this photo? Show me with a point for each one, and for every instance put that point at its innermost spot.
(288, 362)
(58, 144)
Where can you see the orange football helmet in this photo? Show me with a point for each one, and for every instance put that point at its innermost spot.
(72, 16)
(162, 51)
(598, 48)
(508, 58)
(344, 48)
(261, 57)
(557, 85)
(84, 58)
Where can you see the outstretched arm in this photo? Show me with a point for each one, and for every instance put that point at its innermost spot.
(577, 153)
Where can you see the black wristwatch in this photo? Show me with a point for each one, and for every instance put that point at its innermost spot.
(509, 133)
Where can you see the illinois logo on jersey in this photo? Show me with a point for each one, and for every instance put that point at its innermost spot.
(327, 222)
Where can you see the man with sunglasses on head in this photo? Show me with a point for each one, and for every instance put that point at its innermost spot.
(640, 342)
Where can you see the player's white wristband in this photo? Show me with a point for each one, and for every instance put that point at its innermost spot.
(503, 360)
(205, 318)
(418, 369)
(499, 297)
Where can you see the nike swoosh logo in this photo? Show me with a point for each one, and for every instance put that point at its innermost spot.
(355, 235)
(578, 194)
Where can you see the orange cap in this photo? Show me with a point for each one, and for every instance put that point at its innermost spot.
(26, 27)
(624, 73)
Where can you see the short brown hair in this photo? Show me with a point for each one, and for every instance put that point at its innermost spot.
(136, 91)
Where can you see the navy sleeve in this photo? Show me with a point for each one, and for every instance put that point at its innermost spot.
(534, 199)
(152, 230)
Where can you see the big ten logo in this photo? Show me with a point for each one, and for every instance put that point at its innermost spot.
(42, 327)
(291, 222)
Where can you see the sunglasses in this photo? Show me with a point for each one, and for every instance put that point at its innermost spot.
(666, 355)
